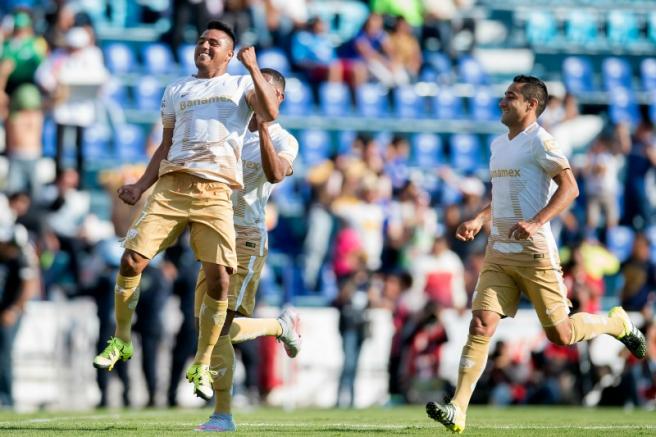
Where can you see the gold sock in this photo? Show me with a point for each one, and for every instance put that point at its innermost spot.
(586, 326)
(126, 296)
(223, 363)
(472, 364)
(212, 315)
(245, 329)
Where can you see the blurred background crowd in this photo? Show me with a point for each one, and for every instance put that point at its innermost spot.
(394, 104)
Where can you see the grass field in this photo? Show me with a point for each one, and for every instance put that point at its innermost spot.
(517, 421)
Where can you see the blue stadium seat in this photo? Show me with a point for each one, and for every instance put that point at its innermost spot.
(648, 73)
(298, 99)
(345, 141)
(130, 143)
(426, 151)
(578, 75)
(158, 59)
(117, 92)
(315, 146)
(541, 28)
(582, 28)
(371, 100)
(484, 105)
(616, 72)
(620, 241)
(652, 107)
(274, 58)
(119, 58)
(440, 64)
(236, 68)
(623, 106)
(148, 93)
(622, 28)
(447, 105)
(407, 104)
(49, 137)
(383, 138)
(471, 71)
(651, 28)
(334, 99)
(95, 144)
(186, 58)
(466, 153)
(650, 232)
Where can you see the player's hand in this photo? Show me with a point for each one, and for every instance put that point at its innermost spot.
(8, 317)
(130, 193)
(523, 230)
(468, 230)
(247, 57)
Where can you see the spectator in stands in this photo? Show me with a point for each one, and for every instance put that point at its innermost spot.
(352, 303)
(440, 276)
(73, 77)
(24, 129)
(639, 273)
(283, 17)
(372, 46)
(601, 175)
(236, 14)
(313, 53)
(583, 290)
(406, 47)
(442, 21)
(59, 21)
(22, 54)
(410, 10)
(19, 281)
(397, 155)
(640, 165)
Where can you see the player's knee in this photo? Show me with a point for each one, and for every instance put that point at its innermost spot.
(132, 263)
(560, 335)
(483, 325)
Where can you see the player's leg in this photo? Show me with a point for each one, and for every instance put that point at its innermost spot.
(158, 225)
(548, 294)
(497, 295)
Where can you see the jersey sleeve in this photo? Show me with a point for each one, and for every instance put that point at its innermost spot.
(168, 109)
(549, 155)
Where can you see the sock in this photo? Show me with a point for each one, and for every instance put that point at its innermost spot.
(245, 329)
(126, 297)
(472, 364)
(212, 315)
(586, 326)
(223, 362)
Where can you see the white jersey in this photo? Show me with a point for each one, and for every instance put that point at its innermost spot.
(521, 171)
(209, 118)
(249, 203)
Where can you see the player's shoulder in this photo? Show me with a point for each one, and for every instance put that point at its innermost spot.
(544, 139)
(179, 83)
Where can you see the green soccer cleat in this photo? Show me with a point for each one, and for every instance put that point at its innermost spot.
(116, 350)
(291, 332)
(632, 338)
(200, 376)
(448, 415)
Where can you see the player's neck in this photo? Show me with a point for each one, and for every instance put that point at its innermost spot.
(209, 73)
(520, 127)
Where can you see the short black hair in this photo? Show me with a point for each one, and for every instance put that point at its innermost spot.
(278, 78)
(533, 88)
(219, 25)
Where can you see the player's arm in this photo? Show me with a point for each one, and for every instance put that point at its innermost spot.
(275, 167)
(567, 191)
(263, 98)
(469, 229)
(131, 193)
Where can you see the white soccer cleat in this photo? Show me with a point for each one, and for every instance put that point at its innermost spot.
(291, 331)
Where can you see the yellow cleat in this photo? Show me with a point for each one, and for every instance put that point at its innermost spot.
(116, 350)
(201, 376)
(632, 338)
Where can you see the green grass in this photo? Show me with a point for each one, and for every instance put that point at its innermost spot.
(483, 421)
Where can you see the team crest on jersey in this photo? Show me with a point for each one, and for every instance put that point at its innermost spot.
(550, 145)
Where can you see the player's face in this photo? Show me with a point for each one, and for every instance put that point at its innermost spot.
(514, 107)
(280, 95)
(213, 50)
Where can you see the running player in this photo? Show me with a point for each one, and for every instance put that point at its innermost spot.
(521, 253)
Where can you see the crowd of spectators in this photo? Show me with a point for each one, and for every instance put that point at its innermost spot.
(373, 231)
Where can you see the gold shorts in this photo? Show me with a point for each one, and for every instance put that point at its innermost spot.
(499, 288)
(181, 199)
(251, 256)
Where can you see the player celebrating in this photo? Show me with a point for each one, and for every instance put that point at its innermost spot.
(204, 120)
(521, 253)
(268, 154)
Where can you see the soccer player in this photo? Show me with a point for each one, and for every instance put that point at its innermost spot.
(268, 155)
(521, 254)
(197, 165)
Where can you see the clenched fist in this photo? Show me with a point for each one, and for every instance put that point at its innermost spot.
(130, 193)
(247, 57)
